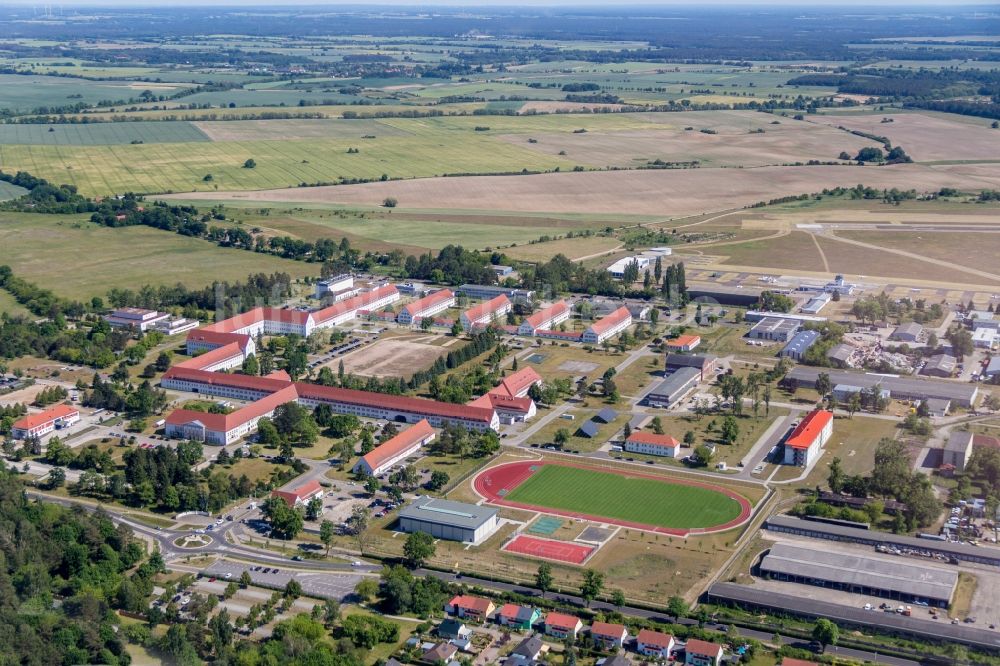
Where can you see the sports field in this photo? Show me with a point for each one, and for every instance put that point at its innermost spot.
(629, 499)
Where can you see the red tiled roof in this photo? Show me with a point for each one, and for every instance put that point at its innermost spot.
(298, 494)
(518, 382)
(212, 356)
(359, 302)
(287, 315)
(267, 384)
(239, 321)
(684, 341)
(654, 638)
(809, 429)
(218, 338)
(986, 440)
(612, 320)
(607, 629)
(500, 401)
(545, 314)
(419, 406)
(402, 442)
(227, 422)
(696, 646)
(509, 610)
(428, 301)
(487, 308)
(51, 414)
(478, 604)
(562, 621)
(652, 438)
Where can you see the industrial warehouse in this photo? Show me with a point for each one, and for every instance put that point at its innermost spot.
(897, 579)
(444, 519)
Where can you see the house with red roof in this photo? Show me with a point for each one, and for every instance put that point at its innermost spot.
(702, 653)
(487, 312)
(395, 450)
(202, 340)
(545, 319)
(518, 383)
(41, 424)
(508, 409)
(350, 308)
(654, 643)
(683, 343)
(652, 444)
(428, 306)
(607, 327)
(517, 616)
(562, 626)
(809, 436)
(300, 495)
(469, 607)
(227, 356)
(607, 635)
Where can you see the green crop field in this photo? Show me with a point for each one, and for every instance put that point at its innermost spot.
(610, 495)
(175, 167)
(96, 134)
(23, 92)
(77, 259)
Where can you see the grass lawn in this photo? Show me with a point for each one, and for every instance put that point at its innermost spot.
(641, 500)
(853, 441)
(10, 306)
(576, 441)
(77, 259)
(256, 469)
(750, 431)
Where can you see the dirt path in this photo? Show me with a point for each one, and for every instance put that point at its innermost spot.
(822, 255)
(599, 254)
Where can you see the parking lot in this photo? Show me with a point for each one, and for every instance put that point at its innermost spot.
(321, 585)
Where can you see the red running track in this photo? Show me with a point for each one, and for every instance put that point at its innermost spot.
(495, 482)
(549, 549)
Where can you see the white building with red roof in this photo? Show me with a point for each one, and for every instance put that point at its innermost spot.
(652, 444)
(518, 383)
(428, 306)
(395, 450)
(42, 423)
(223, 429)
(683, 343)
(486, 313)
(607, 327)
(508, 408)
(654, 643)
(608, 635)
(227, 356)
(469, 607)
(702, 653)
(545, 319)
(804, 444)
(349, 309)
(203, 340)
(300, 495)
(562, 625)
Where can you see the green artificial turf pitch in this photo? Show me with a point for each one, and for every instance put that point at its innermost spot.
(617, 496)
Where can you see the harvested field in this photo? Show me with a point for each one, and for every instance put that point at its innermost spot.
(729, 146)
(977, 250)
(926, 136)
(390, 358)
(565, 107)
(684, 192)
(290, 129)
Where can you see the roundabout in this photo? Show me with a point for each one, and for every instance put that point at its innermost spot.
(193, 541)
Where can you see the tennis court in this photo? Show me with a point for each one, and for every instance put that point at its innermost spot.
(549, 549)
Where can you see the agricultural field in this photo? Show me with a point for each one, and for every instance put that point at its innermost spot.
(100, 134)
(102, 258)
(10, 306)
(24, 93)
(668, 193)
(633, 499)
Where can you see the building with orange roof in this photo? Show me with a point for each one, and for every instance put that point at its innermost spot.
(428, 306)
(607, 327)
(518, 617)
(41, 424)
(300, 495)
(702, 653)
(469, 607)
(396, 449)
(654, 643)
(683, 343)
(562, 625)
(223, 429)
(517, 384)
(486, 312)
(545, 319)
(809, 436)
(652, 444)
(227, 356)
(508, 409)
(607, 635)
(203, 340)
